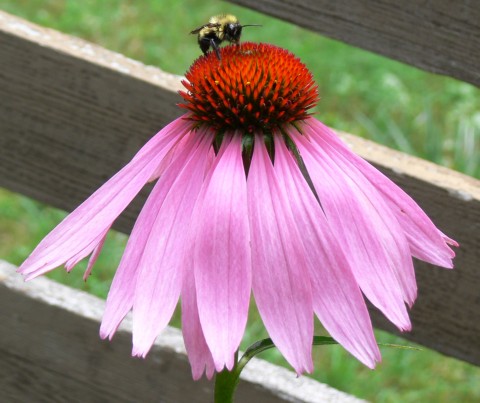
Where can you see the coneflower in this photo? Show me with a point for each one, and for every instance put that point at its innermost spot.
(252, 194)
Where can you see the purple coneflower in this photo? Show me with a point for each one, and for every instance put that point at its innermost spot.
(252, 195)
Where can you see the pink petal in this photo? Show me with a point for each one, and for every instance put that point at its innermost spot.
(398, 248)
(74, 235)
(222, 259)
(94, 256)
(95, 243)
(120, 297)
(281, 283)
(198, 352)
(160, 271)
(371, 237)
(121, 294)
(426, 241)
(337, 299)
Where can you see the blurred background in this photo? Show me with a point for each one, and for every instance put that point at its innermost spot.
(433, 117)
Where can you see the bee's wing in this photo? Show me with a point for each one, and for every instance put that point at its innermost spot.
(209, 25)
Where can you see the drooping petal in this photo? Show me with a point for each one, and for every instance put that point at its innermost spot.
(120, 297)
(337, 299)
(122, 291)
(222, 259)
(98, 241)
(426, 241)
(376, 248)
(95, 215)
(94, 256)
(198, 352)
(396, 246)
(160, 271)
(281, 284)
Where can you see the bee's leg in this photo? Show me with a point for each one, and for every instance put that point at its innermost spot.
(215, 48)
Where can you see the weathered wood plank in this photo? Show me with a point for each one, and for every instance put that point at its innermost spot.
(439, 36)
(69, 119)
(51, 351)
(73, 113)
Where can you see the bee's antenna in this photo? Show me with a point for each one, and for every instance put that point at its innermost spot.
(251, 25)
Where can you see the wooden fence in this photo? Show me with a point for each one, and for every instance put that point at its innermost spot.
(72, 114)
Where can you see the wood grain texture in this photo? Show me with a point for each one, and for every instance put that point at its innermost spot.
(73, 113)
(51, 352)
(69, 119)
(440, 36)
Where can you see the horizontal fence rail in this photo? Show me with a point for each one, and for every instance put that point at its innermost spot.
(440, 36)
(72, 113)
(51, 351)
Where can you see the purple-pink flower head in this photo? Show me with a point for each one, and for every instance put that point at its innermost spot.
(252, 195)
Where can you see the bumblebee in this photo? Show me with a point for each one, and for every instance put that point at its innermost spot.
(224, 27)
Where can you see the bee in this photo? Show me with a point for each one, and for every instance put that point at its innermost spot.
(223, 27)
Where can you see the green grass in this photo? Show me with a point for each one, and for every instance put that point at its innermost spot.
(433, 117)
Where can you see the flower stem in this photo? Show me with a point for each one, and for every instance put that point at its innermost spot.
(226, 382)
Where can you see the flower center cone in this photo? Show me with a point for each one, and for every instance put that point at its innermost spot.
(252, 87)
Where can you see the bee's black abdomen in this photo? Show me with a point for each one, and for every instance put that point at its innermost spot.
(209, 41)
(204, 44)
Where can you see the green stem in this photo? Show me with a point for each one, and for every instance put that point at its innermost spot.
(226, 382)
